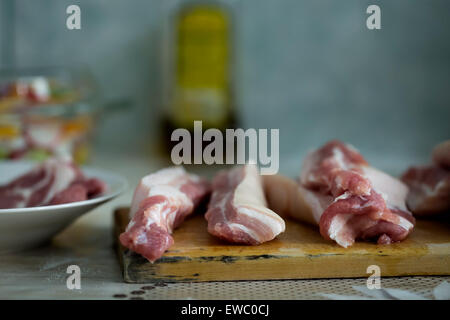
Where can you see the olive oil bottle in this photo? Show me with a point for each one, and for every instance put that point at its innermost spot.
(198, 75)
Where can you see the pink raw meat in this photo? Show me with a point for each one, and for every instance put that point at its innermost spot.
(55, 181)
(350, 200)
(430, 185)
(429, 190)
(238, 210)
(160, 204)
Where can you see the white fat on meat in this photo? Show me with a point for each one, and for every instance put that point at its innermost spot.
(430, 184)
(161, 201)
(379, 211)
(238, 209)
(344, 196)
(339, 223)
(64, 174)
(57, 175)
(429, 190)
(165, 182)
(393, 190)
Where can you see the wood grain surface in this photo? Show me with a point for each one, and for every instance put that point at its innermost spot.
(298, 253)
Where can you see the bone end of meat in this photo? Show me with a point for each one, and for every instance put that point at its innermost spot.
(238, 209)
(145, 237)
(161, 202)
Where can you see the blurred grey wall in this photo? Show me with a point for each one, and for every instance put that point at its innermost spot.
(310, 68)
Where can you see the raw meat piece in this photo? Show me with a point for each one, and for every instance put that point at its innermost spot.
(335, 169)
(429, 190)
(430, 185)
(55, 181)
(348, 199)
(289, 199)
(238, 210)
(160, 203)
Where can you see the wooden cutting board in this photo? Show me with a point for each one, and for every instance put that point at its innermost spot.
(298, 253)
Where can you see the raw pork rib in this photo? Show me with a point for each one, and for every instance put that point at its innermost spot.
(160, 203)
(354, 200)
(348, 199)
(429, 190)
(238, 210)
(430, 185)
(56, 181)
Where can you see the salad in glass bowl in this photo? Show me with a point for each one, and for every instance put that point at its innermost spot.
(47, 111)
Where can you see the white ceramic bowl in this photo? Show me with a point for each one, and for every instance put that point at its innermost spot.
(25, 228)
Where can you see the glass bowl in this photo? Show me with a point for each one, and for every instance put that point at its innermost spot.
(47, 111)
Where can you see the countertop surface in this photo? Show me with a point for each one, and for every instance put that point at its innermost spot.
(42, 273)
